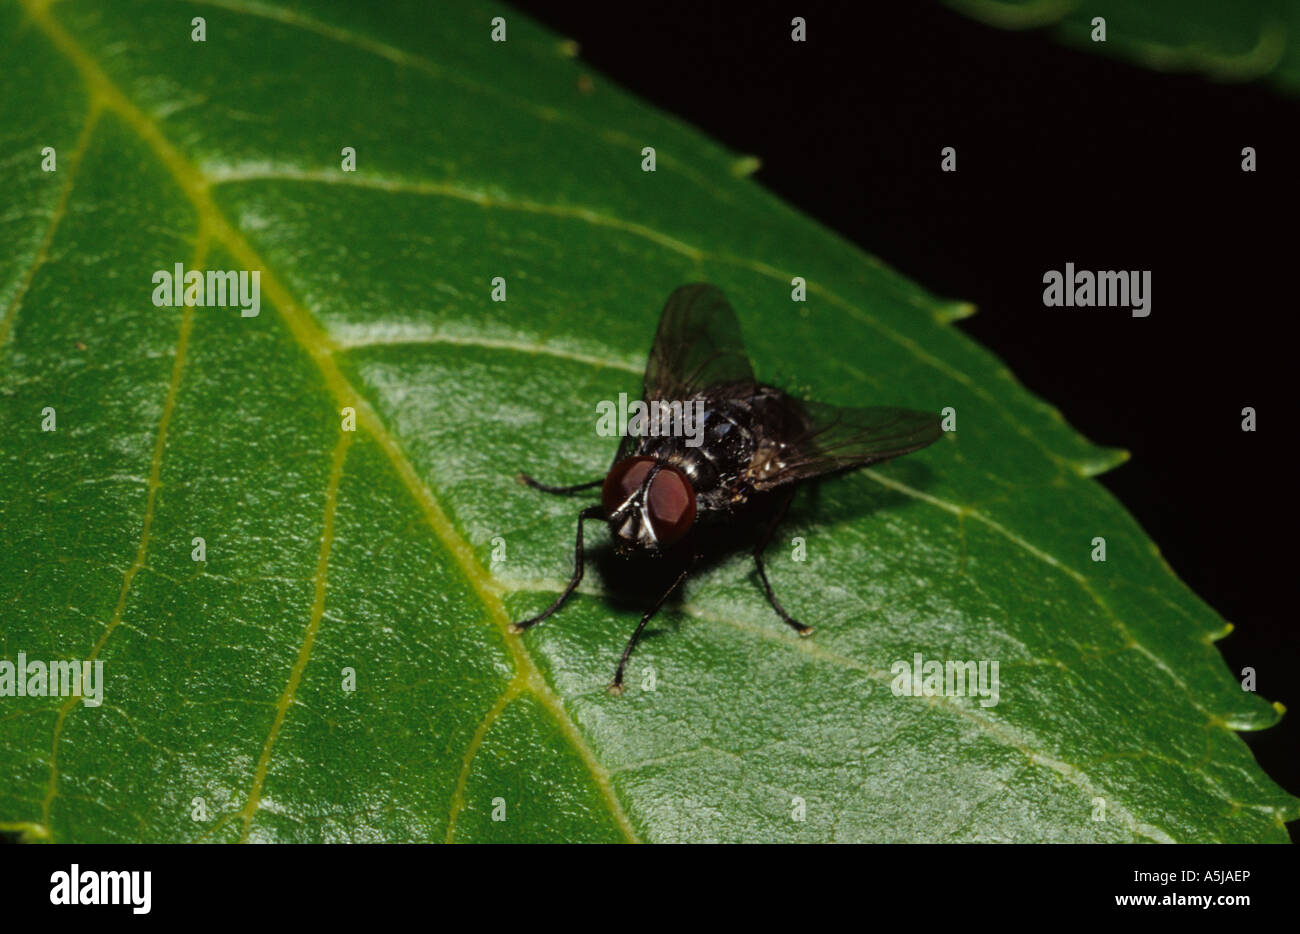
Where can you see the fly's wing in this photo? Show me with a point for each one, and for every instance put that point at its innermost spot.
(697, 346)
(811, 439)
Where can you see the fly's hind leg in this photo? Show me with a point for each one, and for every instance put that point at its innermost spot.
(763, 542)
(559, 490)
(591, 512)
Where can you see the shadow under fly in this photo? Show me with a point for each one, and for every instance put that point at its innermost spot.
(733, 455)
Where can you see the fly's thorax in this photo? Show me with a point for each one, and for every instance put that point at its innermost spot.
(726, 443)
(695, 463)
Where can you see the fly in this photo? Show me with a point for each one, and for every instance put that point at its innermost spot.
(753, 440)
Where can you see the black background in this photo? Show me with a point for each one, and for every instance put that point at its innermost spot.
(326, 887)
(1062, 155)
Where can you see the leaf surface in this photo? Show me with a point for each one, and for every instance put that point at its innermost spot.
(225, 715)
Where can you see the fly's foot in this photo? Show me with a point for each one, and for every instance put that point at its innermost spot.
(804, 630)
(516, 628)
(616, 688)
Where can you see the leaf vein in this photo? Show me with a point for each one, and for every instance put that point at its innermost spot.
(309, 636)
(227, 175)
(476, 740)
(304, 330)
(438, 72)
(60, 208)
(155, 473)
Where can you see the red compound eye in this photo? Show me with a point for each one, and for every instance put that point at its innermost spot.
(624, 479)
(672, 505)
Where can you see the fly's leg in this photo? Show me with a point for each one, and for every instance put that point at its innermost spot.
(762, 572)
(790, 621)
(591, 512)
(616, 686)
(559, 490)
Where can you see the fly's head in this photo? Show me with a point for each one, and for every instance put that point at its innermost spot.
(650, 505)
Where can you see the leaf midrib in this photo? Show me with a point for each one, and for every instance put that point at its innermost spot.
(105, 94)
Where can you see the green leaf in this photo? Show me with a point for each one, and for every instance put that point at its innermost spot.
(1245, 40)
(225, 715)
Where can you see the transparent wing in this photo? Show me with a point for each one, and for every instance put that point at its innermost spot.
(698, 345)
(813, 439)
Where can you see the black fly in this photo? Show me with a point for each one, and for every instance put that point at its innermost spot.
(755, 440)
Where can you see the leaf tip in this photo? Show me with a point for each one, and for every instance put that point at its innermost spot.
(954, 311)
(1216, 635)
(1101, 460)
(1034, 14)
(1261, 715)
(27, 832)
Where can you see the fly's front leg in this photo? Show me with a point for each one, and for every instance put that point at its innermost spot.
(591, 512)
(559, 490)
(762, 572)
(616, 686)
